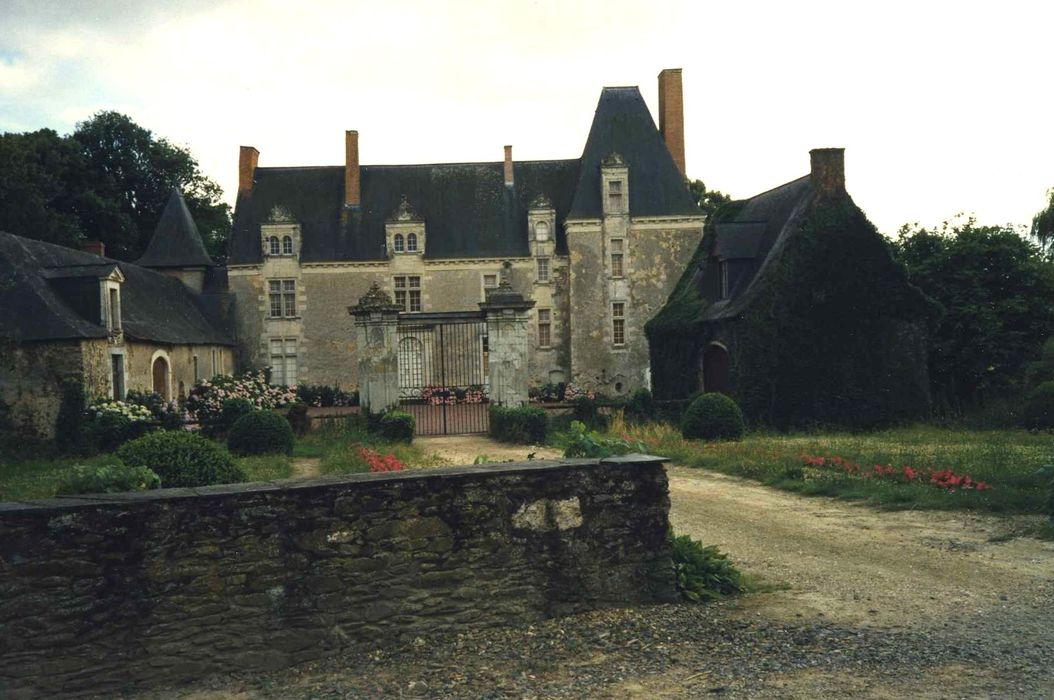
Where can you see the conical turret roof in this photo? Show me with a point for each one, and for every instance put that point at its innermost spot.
(176, 241)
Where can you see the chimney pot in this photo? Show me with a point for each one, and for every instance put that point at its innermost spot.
(671, 115)
(248, 157)
(508, 166)
(828, 171)
(352, 176)
(95, 248)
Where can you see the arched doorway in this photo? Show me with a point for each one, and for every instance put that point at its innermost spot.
(715, 369)
(160, 376)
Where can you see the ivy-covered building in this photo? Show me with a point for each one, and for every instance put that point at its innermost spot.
(793, 305)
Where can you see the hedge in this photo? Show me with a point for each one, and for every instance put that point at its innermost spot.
(524, 425)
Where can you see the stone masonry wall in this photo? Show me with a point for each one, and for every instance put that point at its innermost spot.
(101, 594)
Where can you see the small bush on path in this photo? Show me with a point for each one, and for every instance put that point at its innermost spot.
(703, 573)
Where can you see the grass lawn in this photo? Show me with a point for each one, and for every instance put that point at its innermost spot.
(1008, 460)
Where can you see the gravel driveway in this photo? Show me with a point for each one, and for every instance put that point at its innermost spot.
(863, 603)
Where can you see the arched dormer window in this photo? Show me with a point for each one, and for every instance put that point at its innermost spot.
(399, 243)
(411, 243)
(272, 244)
(541, 231)
(287, 245)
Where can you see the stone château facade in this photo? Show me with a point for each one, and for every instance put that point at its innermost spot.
(596, 242)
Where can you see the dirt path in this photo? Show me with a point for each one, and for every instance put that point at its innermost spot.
(305, 467)
(464, 449)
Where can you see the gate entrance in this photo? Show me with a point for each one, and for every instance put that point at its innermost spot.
(443, 380)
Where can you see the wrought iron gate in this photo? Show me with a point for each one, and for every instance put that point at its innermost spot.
(443, 379)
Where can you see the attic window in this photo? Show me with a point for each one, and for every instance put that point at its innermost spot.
(114, 310)
(411, 243)
(615, 195)
(541, 231)
(272, 244)
(399, 243)
(287, 245)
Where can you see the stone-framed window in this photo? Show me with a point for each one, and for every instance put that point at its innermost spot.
(283, 361)
(489, 282)
(282, 298)
(618, 323)
(273, 246)
(117, 375)
(399, 243)
(411, 242)
(197, 370)
(617, 257)
(545, 319)
(541, 231)
(287, 245)
(615, 202)
(543, 269)
(408, 292)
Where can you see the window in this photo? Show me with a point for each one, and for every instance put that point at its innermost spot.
(616, 258)
(411, 365)
(408, 293)
(544, 328)
(618, 323)
(541, 231)
(724, 279)
(114, 310)
(411, 243)
(217, 362)
(287, 245)
(398, 243)
(283, 361)
(490, 281)
(543, 269)
(117, 376)
(615, 195)
(282, 295)
(272, 245)
(195, 369)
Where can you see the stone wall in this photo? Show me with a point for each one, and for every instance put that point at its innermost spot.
(31, 380)
(121, 591)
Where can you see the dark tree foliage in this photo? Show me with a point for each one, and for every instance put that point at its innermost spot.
(107, 181)
(1043, 224)
(708, 200)
(997, 290)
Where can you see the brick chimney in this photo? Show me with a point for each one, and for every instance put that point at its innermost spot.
(828, 172)
(352, 177)
(95, 248)
(508, 166)
(671, 115)
(248, 157)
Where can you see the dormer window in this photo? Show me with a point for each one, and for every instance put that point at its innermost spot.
(113, 310)
(287, 245)
(723, 265)
(615, 195)
(399, 243)
(411, 243)
(541, 231)
(272, 244)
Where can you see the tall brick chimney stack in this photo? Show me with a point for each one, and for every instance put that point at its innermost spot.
(671, 115)
(248, 157)
(508, 166)
(828, 172)
(95, 248)
(352, 182)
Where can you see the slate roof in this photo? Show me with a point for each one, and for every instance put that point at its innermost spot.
(467, 209)
(49, 293)
(176, 241)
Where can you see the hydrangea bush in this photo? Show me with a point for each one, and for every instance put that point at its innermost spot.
(205, 402)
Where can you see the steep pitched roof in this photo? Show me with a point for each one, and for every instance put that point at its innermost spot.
(467, 209)
(176, 241)
(623, 125)
(48, 292)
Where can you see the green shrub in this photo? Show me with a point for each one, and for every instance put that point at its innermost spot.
(713, 417)
(110, 478)
(298, 419)
(587, 411)
(107, 431)
(640, 407)
(260, 433)
(181, 458)
(1039, 407)
(703, 573)
(523, 425)
(583, 442)
(69, 424)
(396, 426)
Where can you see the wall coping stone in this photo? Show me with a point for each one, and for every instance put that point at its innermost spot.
(82, 501)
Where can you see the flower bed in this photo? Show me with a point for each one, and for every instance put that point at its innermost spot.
(380, 463)
(944, 478)
(436, 395)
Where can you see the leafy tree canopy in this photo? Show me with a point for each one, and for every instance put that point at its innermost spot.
(708, 200)
(1043, 223)
(108, 181)
(997, 290)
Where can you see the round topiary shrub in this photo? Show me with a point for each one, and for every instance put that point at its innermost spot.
(1039, 407)
(396, 426)
(260, 433)
(713, 417)
(181, 459)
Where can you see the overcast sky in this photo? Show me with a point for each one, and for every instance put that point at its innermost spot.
(942, 107)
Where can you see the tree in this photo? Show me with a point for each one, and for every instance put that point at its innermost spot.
(708, 200)
(997, 290)
(1043, 223)
(107, 181)
(133, 173)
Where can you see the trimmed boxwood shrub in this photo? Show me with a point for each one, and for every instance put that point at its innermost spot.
(1039, 407)
(525, 425)
(109, 478)
(713, 417)
(396, 426)
(181, 458)
(260, 433)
